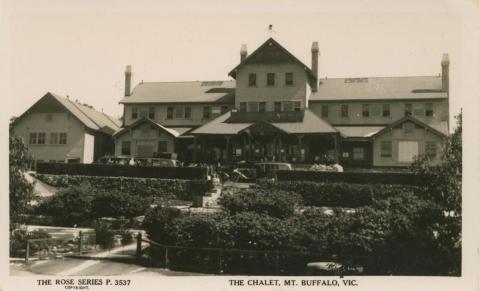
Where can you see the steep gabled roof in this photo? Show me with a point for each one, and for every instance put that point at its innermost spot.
(271, 44)
(143, 120)
(88, 116)
(183, 92)
(379, 88)
(413, 120)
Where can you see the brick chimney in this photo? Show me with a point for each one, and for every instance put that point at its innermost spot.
(315, 64)
(128, 80)
(243, 52)
(445, 73)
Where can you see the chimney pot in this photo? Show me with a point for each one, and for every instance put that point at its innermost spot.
(315, 64)
(445, 73)
(243, 52)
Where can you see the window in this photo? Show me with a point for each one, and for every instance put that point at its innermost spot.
(429, 109)
(126, 148)
(386, 149)
(169, 112)
(358, 153)
(252, 106)
(430, 149)
(297, 105)
(134, 113)
(408, 109)
(418, 110)
(345, 155)
(325, 111)
(288, 106)
(386, 110)
(366, 110)
(223, 109)
(179, 112)
(162, 146)
(408, 127)
(151, 112)
(53, 138)
(206, 112)
(33, 138)
(262, 106)
(188, 112)
(243, 106)
(375, 110)
(270, 79)
(49, 117)
(277, 106)
(289, 79)
(41, 138)
(62, 138)
(344, 110)
(252, 80)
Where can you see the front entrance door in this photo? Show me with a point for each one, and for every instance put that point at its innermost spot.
(407, 150)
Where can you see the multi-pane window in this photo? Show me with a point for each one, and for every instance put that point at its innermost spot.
(375, 110)
(126, 148)
(344, 110)
(430, 149)
(33, 138)
(289, 79)
(386, 110)
(162, 146)
(151, 112)
(188, 112)
(429, 109)
(386, 149)
(243, 106)
(287, 106)
(53, 138)
(324, 110)
(179, 112)
(345, 155)
(253, 106)
(134, 112)
(366, 110)
(270, 79)
(297, 105)
(408, 109)
(262, 106)
(41, 138)
(169, 112)
(206, 112)
(408, 128)
(252, 80)
(358, 153)
(62, 139)
(277, 106)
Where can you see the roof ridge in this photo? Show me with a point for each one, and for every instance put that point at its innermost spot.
(196, 81)
(379, 77)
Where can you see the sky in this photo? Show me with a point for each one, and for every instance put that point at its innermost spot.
(81, 48)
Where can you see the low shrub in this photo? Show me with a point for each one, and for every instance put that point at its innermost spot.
(19, 238)
(278, 203)
(119, 204)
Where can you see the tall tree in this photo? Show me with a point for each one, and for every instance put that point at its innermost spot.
(21, 191)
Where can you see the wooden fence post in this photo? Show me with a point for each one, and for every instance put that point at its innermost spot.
(27, 252)
(80, 238)
(139, 245)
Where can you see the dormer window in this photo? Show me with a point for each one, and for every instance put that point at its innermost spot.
(270, 79)
(252, 80)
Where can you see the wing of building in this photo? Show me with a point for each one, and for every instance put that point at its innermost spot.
(277, 108)
(57, 129)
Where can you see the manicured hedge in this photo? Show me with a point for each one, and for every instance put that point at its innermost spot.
(187, 173)
(339, 194)
(350, 177)
(162, 188)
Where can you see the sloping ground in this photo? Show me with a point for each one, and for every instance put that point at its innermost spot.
(41, 189)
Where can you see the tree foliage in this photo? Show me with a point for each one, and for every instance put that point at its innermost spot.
(21, 191)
